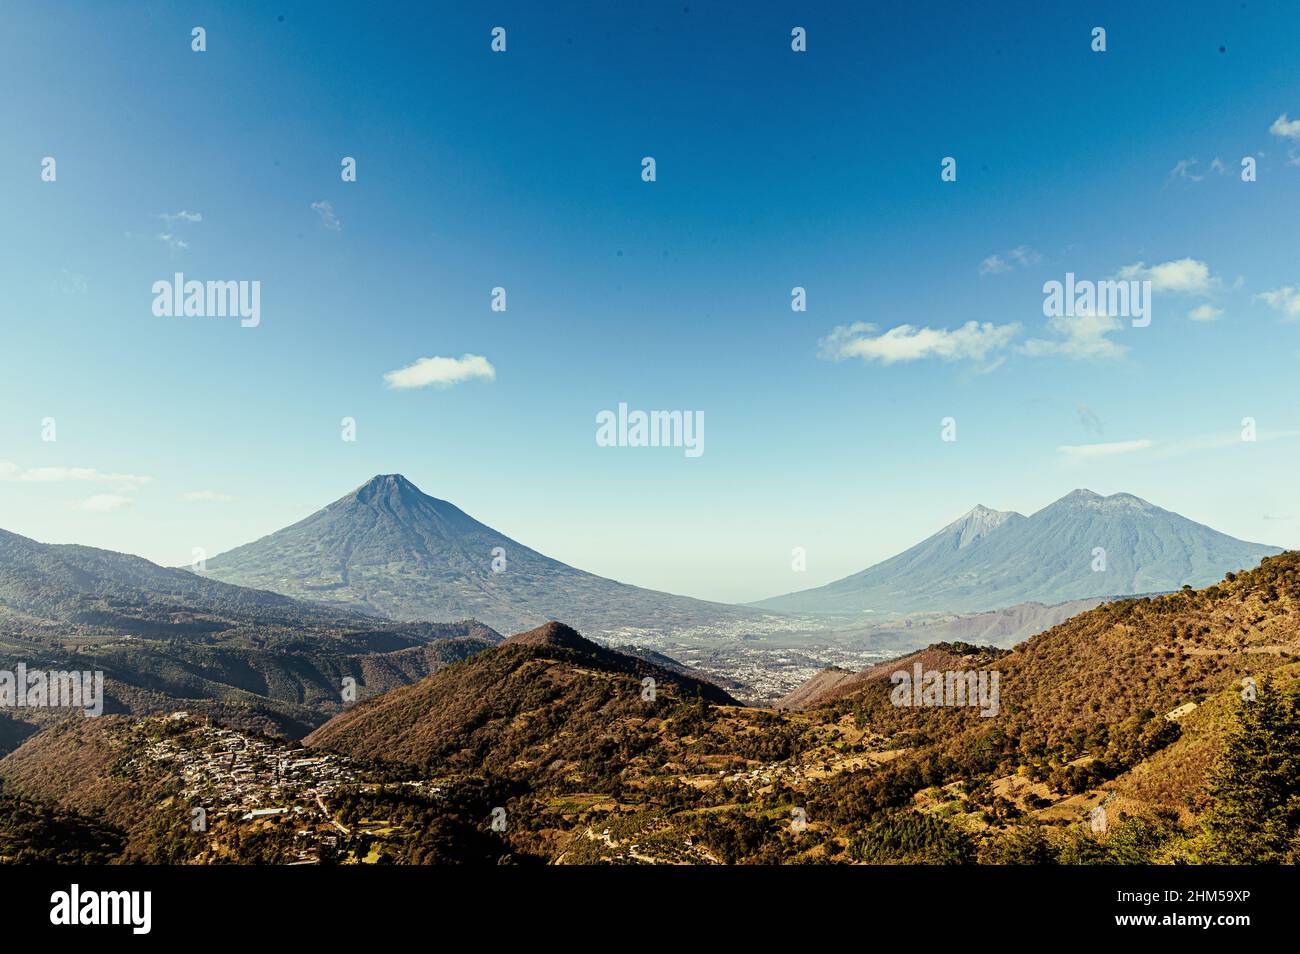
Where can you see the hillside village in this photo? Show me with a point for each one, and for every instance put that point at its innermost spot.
(230, 779)
(1107, 746)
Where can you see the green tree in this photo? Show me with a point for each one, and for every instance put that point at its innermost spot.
(1021, 846)
(1255, 784)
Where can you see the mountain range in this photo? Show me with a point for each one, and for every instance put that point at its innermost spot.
(167, 638)
(352, 582)
(388, 549)
(1080, 547)
(547, 748)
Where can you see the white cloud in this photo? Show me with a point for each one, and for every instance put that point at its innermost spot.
(1078, 452)
(1184, 276)
(103, 503)
(1186, 169)
(1285, 300)
(1024, 255)
(50, 475)
(1021, 255)
(173, 242)
(181, 216)
(206, 496)
(973, 341)
(327, 217)
(441, 372)
(1079, 337)
(1083, 336)
(1183, 170)
(1286, 128)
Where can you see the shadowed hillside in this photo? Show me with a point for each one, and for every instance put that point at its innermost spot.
(168, 639)
(545, 698)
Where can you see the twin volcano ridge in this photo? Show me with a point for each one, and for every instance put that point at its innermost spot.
(1080, 547)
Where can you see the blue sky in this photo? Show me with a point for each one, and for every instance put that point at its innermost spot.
(523, 170)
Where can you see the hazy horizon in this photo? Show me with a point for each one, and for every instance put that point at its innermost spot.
(811, 581)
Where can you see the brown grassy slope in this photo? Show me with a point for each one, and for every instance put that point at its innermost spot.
(1115, 661)
(831, 685)
(1175, 777)
(543, 698)
(72, 765)
(819, 688)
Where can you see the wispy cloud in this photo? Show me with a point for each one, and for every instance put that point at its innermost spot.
(973, 341)
(1183, 170)
(1186, 170)
(1286, 300)
(103, 503)
(1022, 256)
(205, 496)
(1206, 312)
(40, 475)
(327, 217)
(169, 237)
(173, 242)
(1080, 452)
(1080, 337)
(441, 372)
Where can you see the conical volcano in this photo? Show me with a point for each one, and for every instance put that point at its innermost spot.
(390, 549)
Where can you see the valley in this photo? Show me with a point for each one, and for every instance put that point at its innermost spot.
(555, 738)
(302, 732)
